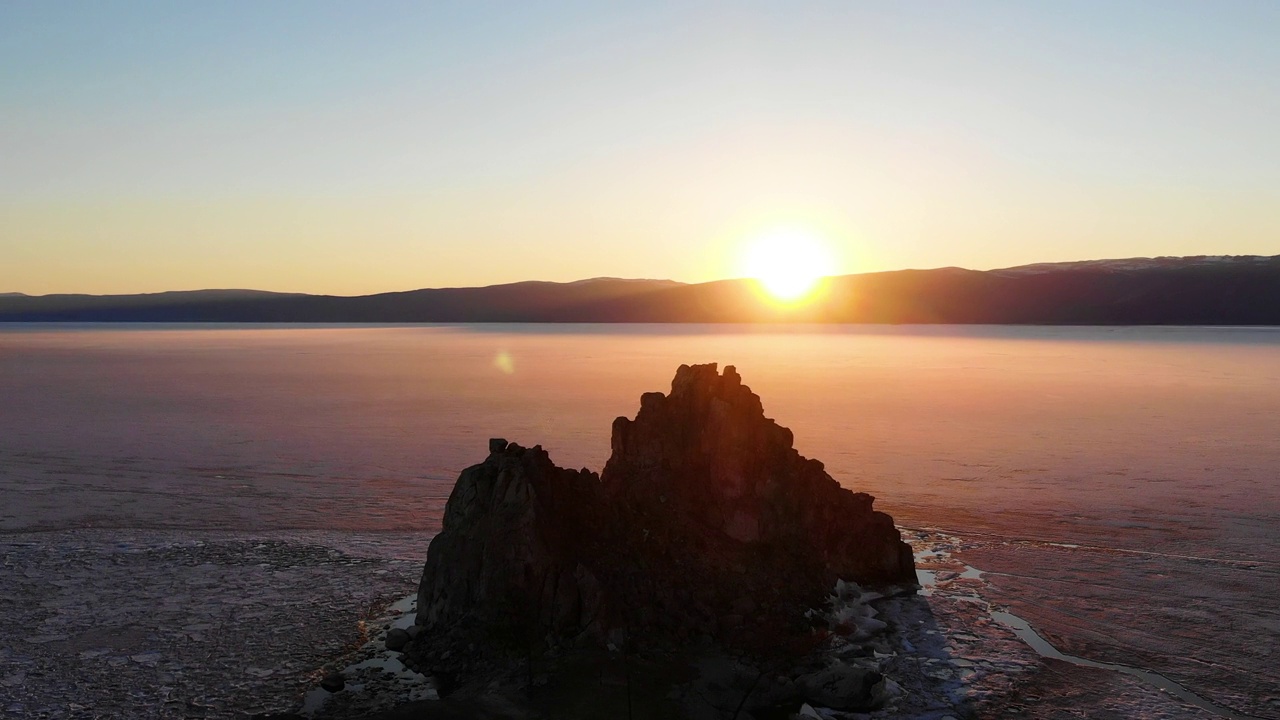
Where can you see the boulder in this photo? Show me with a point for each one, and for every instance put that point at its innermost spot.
(842, 687)
(397, 638)
(333, 682)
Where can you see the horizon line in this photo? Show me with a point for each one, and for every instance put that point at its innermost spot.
(1035, 265)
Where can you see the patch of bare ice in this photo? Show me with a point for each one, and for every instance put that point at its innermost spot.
(952, 580)
(164, 624)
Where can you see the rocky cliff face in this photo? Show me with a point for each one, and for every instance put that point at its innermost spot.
(705, 524)
(510, 549)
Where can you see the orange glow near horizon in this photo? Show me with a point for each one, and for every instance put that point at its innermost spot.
(788, 263)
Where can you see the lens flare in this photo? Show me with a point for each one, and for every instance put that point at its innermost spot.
(504, 362)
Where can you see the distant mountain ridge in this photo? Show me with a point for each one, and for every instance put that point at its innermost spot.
(1200, 290)
(1141, 263)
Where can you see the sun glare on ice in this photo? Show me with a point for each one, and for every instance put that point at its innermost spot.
(788, 263)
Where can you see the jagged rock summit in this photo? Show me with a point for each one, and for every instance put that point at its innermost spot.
(705, 526)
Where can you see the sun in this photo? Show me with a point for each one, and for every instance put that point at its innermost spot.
(788, 263)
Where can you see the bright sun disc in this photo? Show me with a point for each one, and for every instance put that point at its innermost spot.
(788, 263)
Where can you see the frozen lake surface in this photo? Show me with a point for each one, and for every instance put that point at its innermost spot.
(1118, 487)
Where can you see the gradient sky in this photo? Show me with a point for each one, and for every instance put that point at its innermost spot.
(359, 147)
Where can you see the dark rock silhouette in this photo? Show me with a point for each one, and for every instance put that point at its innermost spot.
(706, 527)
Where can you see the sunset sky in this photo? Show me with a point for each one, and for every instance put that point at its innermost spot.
(361, 147)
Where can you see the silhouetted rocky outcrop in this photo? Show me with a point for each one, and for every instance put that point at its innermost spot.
(705, 527)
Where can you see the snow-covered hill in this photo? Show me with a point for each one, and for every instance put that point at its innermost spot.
(1140, 263)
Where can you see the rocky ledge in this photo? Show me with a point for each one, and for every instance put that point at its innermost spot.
(706, 530)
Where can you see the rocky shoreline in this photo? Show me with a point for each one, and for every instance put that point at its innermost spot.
(77, 606)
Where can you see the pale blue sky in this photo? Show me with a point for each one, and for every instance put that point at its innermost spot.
(358, 147)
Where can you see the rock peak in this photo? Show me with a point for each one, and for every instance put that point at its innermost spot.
(695, 382)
